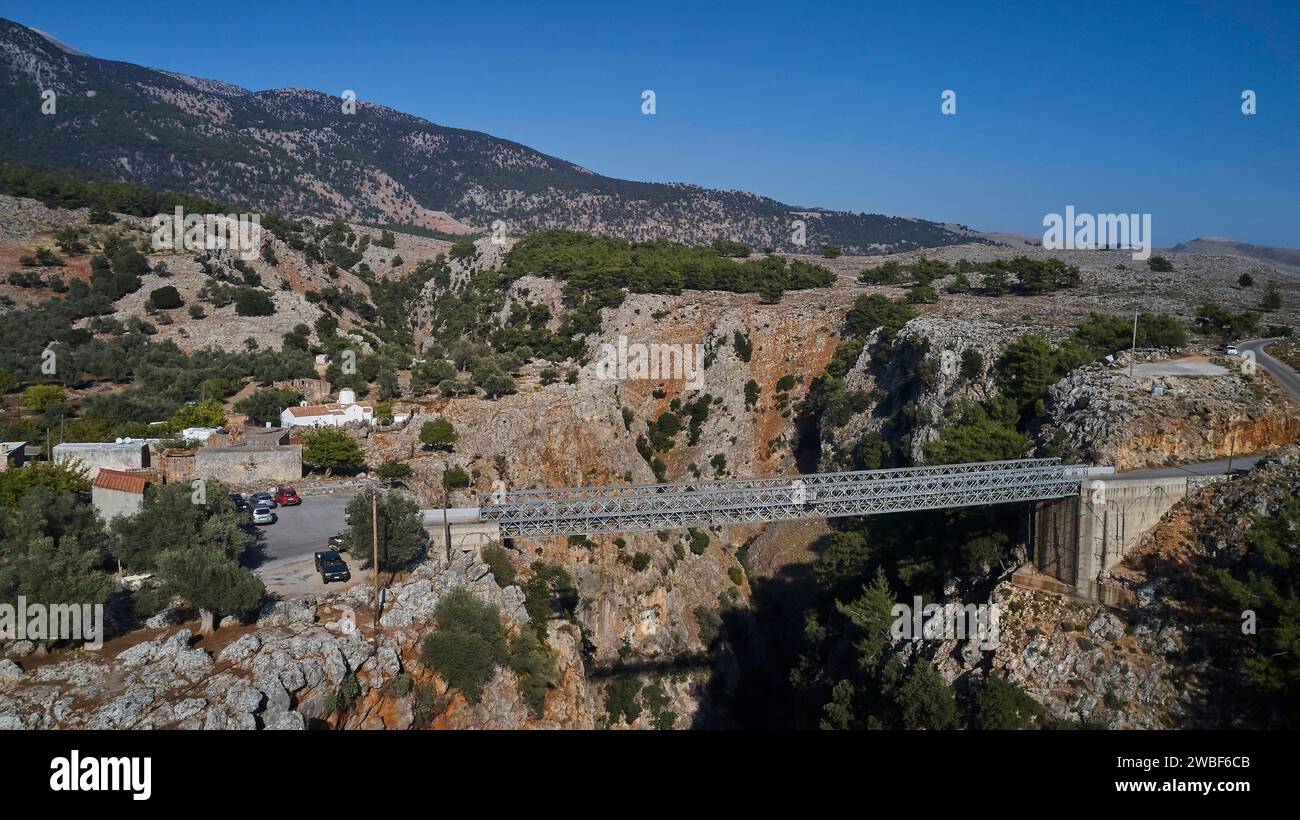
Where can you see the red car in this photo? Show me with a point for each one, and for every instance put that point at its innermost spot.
(286, 496)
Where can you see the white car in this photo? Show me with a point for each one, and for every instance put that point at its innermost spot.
(262, 515)
(1232, 350)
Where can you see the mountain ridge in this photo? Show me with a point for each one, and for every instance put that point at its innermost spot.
(295, 151)
(1286, 260)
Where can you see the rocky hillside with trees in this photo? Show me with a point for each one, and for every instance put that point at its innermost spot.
(298, 151)
(497, 349)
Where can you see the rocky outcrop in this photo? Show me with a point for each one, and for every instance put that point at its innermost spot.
(1168, 660)
(1102, 416)
(301, 663)
(930, 365)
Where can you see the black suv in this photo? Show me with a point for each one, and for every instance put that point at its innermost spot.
(331, 567)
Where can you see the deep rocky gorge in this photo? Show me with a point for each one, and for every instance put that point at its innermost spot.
(659, 622)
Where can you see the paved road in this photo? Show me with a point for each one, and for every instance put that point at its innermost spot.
(300, 531)
(1283, 375)
(1217, 467)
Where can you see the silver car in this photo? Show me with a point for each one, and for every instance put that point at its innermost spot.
(262, 515)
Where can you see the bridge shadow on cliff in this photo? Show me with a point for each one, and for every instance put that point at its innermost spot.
(688, 662)
(753, 653)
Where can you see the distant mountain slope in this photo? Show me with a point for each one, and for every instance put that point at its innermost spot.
(296, 152)
(1286, 260)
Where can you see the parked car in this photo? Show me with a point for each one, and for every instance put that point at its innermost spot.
(339, 542)
(262, 514)
(265, 499)
(286, 496)
(331, 567)
(238, 500)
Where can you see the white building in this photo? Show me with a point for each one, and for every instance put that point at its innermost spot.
(336, 414)
(199, 435)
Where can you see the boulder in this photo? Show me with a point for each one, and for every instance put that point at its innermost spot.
(284, 721)
(168, 617)
(241, 650)
(20, 649)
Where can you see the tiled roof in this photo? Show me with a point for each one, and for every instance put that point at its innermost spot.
(121, 481)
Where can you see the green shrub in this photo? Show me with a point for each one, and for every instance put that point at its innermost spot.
(438, 434)
(455, 478)
(708, 623)
(1002, 704)
(392, 468)
(534, 668)
(398, 687)
(495, 556)
(252, 302)
(467, 645)
(699, 541)
(551, 588)
(165, 298)
(744, 349)
(621, 699)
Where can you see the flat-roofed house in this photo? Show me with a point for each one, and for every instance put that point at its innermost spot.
(126, 454)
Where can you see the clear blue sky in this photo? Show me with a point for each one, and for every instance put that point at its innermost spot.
(1107, 106)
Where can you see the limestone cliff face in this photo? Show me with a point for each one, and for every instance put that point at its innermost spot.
(1103, 416)
(912, 383)
(587, 433)
(1166, 661)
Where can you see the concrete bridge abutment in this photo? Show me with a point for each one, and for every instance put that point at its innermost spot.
(1077, 539)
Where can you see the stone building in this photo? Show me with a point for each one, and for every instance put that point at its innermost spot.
(314, 391)
(258, 460)
(12, 454)
(93, 456)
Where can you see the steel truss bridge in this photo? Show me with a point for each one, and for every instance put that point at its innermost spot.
(646, 507)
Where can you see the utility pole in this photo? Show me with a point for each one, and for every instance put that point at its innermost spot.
(1132, 353)
(374, 542)
(446, 528)
(1232, 450)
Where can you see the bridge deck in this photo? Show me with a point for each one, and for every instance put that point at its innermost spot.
(645, 507)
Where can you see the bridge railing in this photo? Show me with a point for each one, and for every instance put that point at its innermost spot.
(630, 508)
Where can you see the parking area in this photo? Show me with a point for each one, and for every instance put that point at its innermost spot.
(1189, 366)
(298, 578)
(301, 530)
